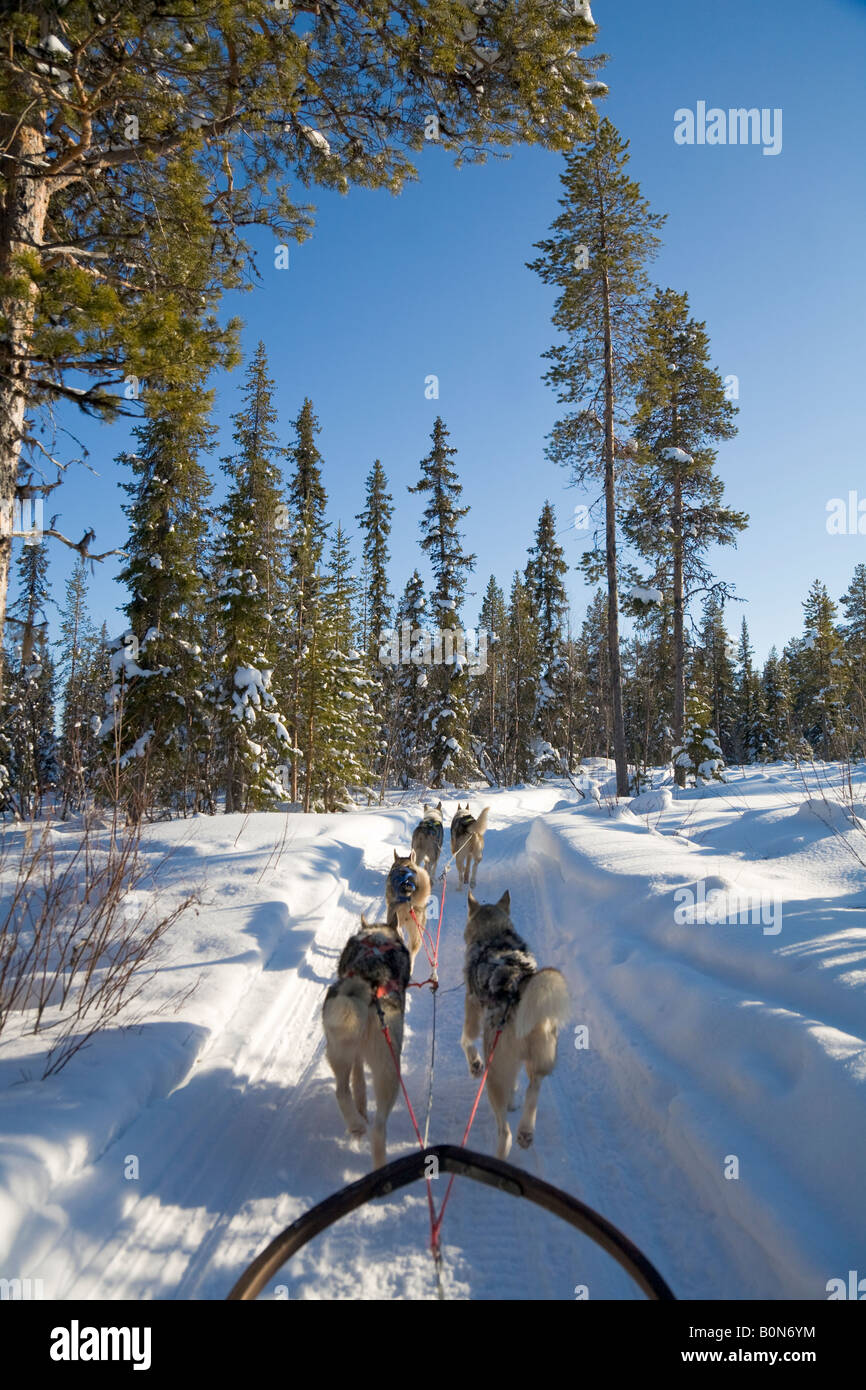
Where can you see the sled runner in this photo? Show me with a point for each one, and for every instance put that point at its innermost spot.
(459, 1161)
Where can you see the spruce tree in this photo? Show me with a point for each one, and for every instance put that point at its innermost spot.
(307, 529)
(594, 661)
(714, 675)
(489, 688)
(748, 726)
(81, 701)
(525, 755)
(28, 742)
(601, 242)
(545, 572)
(447, 714)
(776, 742)
(249, 563)
(817, 673)
(157, 728)
(375, 520)
(853, 630)
(341, 723)
(377, 600)
(699, 756)
(407, 754)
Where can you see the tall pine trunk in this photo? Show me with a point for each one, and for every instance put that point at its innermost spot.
(619, 749)
(679, 640)
(23, 207)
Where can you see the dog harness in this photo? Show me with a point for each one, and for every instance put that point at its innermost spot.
(377, 965)
(434, 828)
(402, 880)
(496, 971)
(462, 823)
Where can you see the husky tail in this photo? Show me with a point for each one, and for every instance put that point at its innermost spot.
(345, 1011)
(481, 823)
(544, 1000)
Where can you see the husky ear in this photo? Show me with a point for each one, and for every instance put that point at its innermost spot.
(396, 856)
(473, 903)
(439, 807)
(364, 923)
(505, 901)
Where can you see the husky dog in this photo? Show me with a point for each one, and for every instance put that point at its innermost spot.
(507, 993)
(373, 971)
(407, 891)
(427, 838)
(467, 843)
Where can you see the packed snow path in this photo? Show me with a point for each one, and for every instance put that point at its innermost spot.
(706, 1044)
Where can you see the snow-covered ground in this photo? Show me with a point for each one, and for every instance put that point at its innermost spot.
(709, 1098)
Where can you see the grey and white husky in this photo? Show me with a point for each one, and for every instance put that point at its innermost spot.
(407, 893)
(427, 838)
(373, 970)
(467, 842)
(507, 993)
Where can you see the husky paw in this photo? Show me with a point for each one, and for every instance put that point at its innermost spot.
(476, 1066)
(525, 1138)
(357, 1131)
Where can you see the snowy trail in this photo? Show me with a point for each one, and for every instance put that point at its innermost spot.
(703, 1043)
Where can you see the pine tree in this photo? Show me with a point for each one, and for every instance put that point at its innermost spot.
(776, 742)
(648, 692)
(157, 731)
(377, 599)
(141, 141)
(677, 513)
(341, 722)
(699, 755)
(748, 726)
(545, 572)
(713, 673)
(375, 521)
(817, 672)
(853, 631)
(447, 715)
(407, 734)
(523, 754)
(594, 661)
(307, 503)
(29, 746)
(249, 563)
(82, 694)
(601, 242)
(489, 688)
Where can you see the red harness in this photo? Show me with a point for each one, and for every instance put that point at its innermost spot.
(382, 950)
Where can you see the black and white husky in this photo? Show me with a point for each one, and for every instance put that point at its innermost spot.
(506, 993)
(467, 843)
(427, 838)
(373, 973)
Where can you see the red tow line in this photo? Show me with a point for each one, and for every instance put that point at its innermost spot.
(433, 981)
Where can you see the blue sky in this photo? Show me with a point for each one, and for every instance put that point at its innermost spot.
(769, 248)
